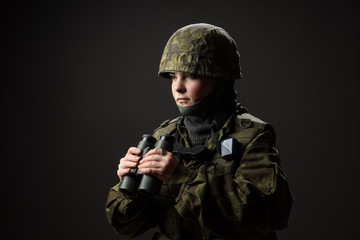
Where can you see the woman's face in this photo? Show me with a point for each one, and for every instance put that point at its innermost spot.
(188, 89)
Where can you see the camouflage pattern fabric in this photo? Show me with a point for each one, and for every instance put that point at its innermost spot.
(201, 49)
(247, 197)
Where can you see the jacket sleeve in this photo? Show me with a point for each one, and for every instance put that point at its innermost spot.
(251, 204)
(130, 216)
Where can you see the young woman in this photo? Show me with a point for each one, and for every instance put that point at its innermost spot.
(223, 179)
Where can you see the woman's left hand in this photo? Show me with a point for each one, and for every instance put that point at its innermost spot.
(159, 163)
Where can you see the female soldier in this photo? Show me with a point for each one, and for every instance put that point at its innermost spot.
(224, 179)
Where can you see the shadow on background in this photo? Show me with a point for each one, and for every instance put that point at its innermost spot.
(80, 86)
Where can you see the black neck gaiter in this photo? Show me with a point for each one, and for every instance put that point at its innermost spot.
(200, 115)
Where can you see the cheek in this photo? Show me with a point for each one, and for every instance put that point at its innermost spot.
(195, 90)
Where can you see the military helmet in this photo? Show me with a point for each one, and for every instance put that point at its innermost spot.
(201, 49)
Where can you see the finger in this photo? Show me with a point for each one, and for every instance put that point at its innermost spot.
(133, 150)
(149, 164)
(127, 164)
(151, 158)
(149, 168)
(122, 172)
(154, 171)
(154, 151)
(130, 157)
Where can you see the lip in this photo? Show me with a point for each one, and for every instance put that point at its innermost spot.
(182, 99)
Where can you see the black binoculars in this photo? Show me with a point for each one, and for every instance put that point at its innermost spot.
(136, 182)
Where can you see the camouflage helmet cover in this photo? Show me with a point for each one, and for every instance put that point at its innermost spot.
(201, 49)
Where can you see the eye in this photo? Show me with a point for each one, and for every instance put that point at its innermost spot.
(172, 77)
(191, 76)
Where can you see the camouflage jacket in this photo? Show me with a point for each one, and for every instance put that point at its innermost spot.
(244, 197)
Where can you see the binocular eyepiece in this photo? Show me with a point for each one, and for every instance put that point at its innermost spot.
(136, 182)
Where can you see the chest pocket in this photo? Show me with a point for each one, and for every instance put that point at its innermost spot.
(246, 129)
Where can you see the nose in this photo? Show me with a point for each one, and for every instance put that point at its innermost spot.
(178, 85)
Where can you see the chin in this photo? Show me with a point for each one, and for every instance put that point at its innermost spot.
(185, 104)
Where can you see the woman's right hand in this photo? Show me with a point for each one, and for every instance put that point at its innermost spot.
(130, 160)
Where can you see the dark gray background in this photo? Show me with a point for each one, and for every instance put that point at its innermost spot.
(80, 86)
